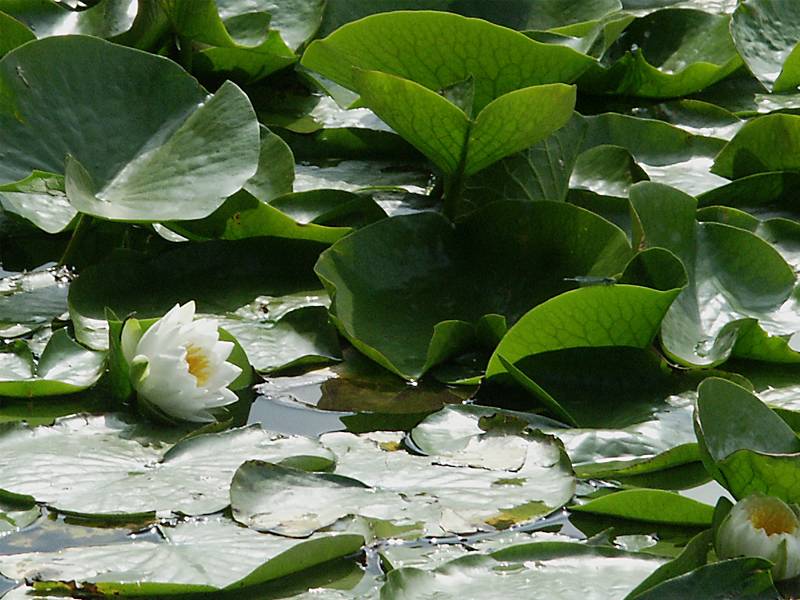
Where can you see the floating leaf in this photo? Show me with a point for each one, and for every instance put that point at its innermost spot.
(41, 199)
(602, 310)
(236, 40)
(84, 454)
(653, 506)
(746, 446)
(408, 290)
(221, 276)
(734, 278)
(178, 155)
(666, 153)
(765, 33)
(12, 33)
(668, 53)
(738, 577)
(440, 49)
(764, 144)
(47, 18)
(194, 557)
(558, 570)
(461, 498)
(65, 367)
(302, 337)
(31, 300)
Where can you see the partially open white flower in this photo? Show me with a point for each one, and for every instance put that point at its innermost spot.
(179, 365)
(762, 526)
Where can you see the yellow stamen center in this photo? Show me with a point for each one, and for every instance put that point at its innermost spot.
(199, 365)
(773, 519)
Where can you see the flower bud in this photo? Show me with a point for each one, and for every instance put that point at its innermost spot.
(762, 526)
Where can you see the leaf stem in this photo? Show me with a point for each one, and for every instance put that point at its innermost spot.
(453, 190)
(185, 53)
(454, 183)
(81, 227)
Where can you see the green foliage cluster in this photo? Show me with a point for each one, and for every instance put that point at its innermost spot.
(577, 215)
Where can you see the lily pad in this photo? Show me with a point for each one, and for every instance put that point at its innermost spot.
(663, 441)
(285, 501)
(31, 300)
(235, 40)
(655, 506)
(745, 445)
(65, 367)
(601, 309)
(763, 144)
(12, 33)
(302, 337)
(668, 53)
(453, 140)
(765, 33)
(41, 199)
(740, 293)
(462, 498)
(194, 557)
(738, 577)
(181, 153)
(666, 153)
(83, 454)
(47, 18)
(408, 291)
(562, 570)
(442, 46)
(221, 276)
(541, 172)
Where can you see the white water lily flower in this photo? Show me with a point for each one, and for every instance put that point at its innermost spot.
(766, 527)
(179, 365)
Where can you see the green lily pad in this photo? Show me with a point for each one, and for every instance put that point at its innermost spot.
(698, 330)
(662, 442)
(439, 49)
(234, 40)
(734, 578)
(137, 478)
(41, 199)
(31, 300)
(541, 172)
(666, 153)
(765, 33)
(655, 506)
(65, 367)
(557, 570)
(244, 216)
(745, 445)
(268, 497)
(668, 53)
(360, 175)
(602, 310)
(176, 157)
(221, 276)
(768, 193)
(194, 557)
(46, 18)
(606, 170)
(12, 33)
(764, 144)
(454, 141)
(301, 337)
(275, 173)
(461, 498)
(408, 291)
